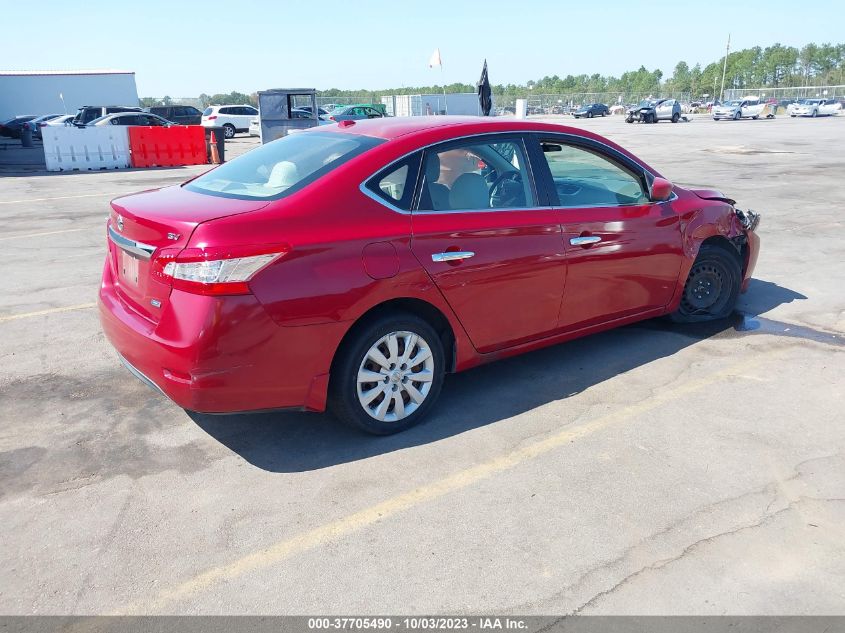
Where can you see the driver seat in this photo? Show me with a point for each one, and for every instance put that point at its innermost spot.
(470, 191)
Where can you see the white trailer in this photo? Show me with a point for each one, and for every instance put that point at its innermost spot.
(53, 91)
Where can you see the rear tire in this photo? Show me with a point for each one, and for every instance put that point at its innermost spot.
(712, 287)
(229, 130)
(372, 382)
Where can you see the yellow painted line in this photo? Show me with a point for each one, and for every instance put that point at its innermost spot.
(26, 315)
(356, 521)
(85, 195)
(15, 237)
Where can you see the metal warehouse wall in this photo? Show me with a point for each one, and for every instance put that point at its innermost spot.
(39, 94)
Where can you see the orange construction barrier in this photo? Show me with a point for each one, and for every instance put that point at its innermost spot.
(167, 146)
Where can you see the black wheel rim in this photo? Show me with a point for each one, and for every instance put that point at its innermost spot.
(708, 289)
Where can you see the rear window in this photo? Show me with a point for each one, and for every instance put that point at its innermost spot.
(282, 167)
(207, 111)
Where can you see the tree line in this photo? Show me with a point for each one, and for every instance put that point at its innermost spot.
(770, 67)
(757, 67)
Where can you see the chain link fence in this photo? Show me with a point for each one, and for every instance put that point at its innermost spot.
(789, 93)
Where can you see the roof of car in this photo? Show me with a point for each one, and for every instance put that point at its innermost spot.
(393, 127)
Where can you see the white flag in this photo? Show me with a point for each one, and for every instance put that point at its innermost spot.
(435, 60)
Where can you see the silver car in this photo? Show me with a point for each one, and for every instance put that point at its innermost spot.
(654, 110)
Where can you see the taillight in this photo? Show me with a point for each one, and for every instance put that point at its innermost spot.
(214, 271)
(212, 117)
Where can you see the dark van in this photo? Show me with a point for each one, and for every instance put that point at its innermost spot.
(181, 114)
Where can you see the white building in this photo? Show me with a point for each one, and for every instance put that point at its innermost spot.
(51, 91)
(465, 103)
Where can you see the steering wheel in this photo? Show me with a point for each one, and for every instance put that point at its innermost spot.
(507, 190)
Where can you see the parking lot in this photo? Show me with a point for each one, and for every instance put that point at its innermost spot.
(654, 469)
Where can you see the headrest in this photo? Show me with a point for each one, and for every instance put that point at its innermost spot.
(284, 175)
(432, 168)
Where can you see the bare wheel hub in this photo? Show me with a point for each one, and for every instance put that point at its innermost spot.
(704, 287)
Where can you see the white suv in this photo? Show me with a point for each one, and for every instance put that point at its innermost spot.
(232, 118)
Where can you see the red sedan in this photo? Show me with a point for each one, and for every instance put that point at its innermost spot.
(352, 266)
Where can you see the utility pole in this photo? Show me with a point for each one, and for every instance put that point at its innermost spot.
(725, 68)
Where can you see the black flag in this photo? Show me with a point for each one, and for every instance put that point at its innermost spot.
(485, 94)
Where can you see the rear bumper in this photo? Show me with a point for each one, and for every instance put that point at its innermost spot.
(221, 354)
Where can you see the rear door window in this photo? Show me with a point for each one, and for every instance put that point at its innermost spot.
(477, 176)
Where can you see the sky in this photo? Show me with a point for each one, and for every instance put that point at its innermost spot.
(182, 49)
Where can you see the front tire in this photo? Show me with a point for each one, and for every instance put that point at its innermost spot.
(388, 376)
(712, 287)
(737, 115)
(590, 115)
(676, 117)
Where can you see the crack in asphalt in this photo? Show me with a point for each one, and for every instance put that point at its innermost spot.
(771, 488)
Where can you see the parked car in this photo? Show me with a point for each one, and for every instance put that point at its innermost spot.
(232, 118)
(296, 113)
(739, 109)
(654, 110)
(287, 277)
(815, 107)
(38, 122)
(86, 114)
(354, 113)
(65, 119)
(179, 114)
(131, 118)
(321, 112)
(590, 110)
(12, 127)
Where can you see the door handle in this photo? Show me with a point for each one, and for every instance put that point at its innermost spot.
(585, 240)
(451, 256)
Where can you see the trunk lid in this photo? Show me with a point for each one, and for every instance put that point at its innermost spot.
(147, 226)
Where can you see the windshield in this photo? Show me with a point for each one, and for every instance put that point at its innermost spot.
(282, 167)
(645, 103)
(734, 103)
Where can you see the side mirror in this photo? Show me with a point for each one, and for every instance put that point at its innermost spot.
(661, 189)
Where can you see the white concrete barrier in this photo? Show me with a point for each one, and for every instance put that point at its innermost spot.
(73, 148)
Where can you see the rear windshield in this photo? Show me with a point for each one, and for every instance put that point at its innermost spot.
(279, 168)
(207, 111)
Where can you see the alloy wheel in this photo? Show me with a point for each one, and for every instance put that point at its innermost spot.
(395, 376)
